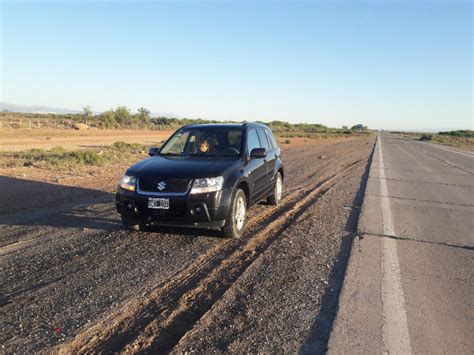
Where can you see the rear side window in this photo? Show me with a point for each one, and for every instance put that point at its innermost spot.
(252, 140)
(271, 139)
(263, 139)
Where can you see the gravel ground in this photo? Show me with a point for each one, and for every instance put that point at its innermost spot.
(286, 300)
(66, 268)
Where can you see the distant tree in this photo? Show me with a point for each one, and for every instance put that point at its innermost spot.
(107, 118)
(87, 112)
(122, 115)
(345, 127)
(144, 115)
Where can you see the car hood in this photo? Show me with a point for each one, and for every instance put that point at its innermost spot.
(183, 167)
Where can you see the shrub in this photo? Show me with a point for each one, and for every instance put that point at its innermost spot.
(459, 133)
(129, 147)
(83, 157)
(426, 137)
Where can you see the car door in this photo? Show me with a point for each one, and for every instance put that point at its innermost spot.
(270, 159)
(257, 167)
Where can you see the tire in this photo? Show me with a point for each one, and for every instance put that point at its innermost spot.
(132, 225)
(275, 197)
(235, 222)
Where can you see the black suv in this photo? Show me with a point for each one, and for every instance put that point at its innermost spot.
(204, 175)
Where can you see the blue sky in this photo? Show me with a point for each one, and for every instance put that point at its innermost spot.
(393, 65)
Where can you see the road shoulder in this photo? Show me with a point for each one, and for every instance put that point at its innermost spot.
(410, 276)
(360, 300)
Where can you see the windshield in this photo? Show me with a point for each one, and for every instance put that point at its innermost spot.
(204, 142)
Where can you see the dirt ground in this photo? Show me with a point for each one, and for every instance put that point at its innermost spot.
(74, 280)
(22, 139)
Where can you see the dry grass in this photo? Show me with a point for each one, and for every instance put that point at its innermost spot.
(60, 158)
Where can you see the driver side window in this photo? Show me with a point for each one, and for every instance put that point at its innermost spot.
(252, 140)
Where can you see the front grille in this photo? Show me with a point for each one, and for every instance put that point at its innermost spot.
(168, 185)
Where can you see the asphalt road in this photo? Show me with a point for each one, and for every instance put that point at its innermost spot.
(409, 284)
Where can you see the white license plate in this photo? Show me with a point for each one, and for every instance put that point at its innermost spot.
(160, 203)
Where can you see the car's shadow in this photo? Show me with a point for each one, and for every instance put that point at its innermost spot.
(34, 203)
(29, 202)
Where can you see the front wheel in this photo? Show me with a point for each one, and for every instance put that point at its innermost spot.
(237, 217)
(275, 197)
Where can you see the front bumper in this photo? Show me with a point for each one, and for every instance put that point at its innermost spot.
(208, 210)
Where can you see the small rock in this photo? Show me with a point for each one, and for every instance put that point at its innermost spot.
(80, 126)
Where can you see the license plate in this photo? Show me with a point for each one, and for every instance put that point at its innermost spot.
(159, 203)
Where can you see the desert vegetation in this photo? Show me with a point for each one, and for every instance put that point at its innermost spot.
(460, 138)
(38, 139)
(58, 157)
(122, 118)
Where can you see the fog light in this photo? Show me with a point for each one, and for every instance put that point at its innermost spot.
(131, 207)
(198, 210)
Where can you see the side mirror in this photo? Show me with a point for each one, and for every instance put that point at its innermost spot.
(258, 153)
(154, 151)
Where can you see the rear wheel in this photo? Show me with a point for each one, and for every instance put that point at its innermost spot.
(131, 224)
(237, 217)
(275, 197)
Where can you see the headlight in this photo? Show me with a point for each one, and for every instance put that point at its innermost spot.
(207, 185)
(128, 182)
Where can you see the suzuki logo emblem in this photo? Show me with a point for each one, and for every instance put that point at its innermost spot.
(161, 186)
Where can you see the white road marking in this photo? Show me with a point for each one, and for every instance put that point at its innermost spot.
(443, 160)
(449, 150)
(384, 200)
(395, 337)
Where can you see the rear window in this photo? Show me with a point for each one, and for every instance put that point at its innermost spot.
(263, 139)
(252, 140)
(271, 138)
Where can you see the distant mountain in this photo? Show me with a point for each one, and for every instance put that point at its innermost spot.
(5, 106)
